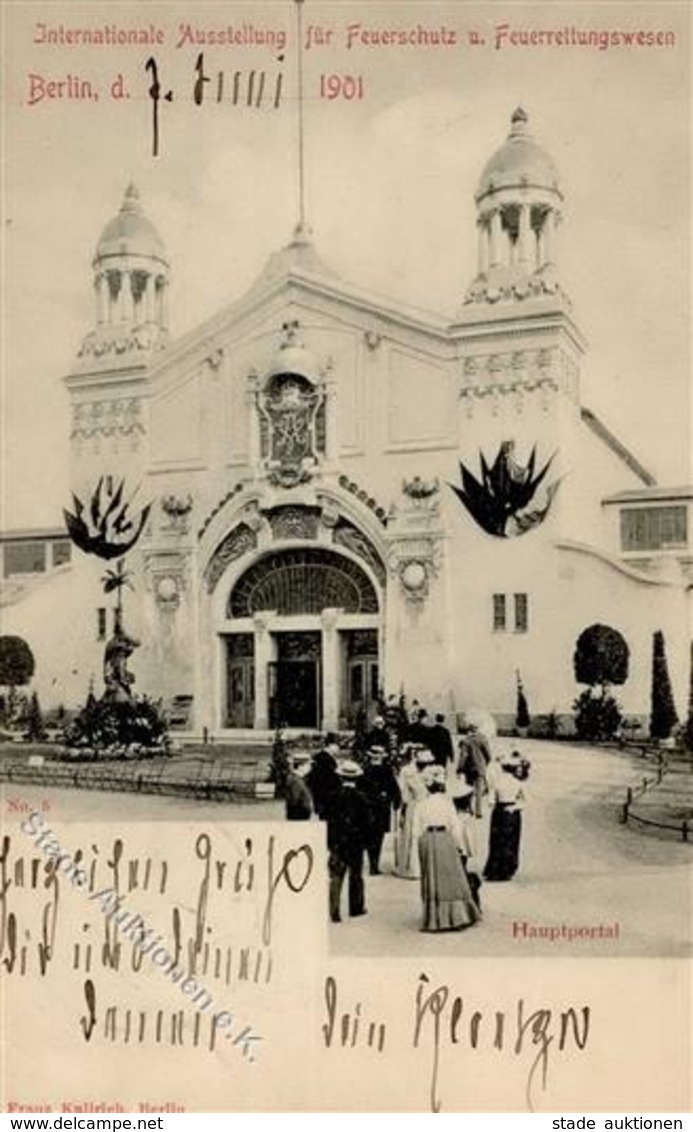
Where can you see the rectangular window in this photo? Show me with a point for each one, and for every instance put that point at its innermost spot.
(25, 558)
(61, 552)
(521, 613)
(498, 613)
(101, 624)
(654, 528)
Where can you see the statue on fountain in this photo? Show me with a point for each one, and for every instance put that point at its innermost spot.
(117, 679)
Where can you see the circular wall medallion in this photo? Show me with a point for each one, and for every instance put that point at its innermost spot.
(414, 576)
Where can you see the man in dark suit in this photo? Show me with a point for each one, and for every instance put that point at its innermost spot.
(440, 742)
(297, 799)
(322, 779)
(380, 789)
(420, 729)
(473, 762)
(348, 828)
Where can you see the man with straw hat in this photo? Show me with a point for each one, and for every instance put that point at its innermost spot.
(379, 787)
(348, 827)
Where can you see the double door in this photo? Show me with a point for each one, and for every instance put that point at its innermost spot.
(295, 681)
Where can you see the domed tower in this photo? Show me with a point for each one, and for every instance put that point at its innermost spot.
(131, 279)
(520, 350)
(109, 377)
(518, 204)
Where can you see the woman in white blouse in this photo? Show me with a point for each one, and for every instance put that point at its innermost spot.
(506, 785)
(413, 790)
(448, 904)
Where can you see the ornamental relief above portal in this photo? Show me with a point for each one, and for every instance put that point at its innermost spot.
(288, 410)
(237, 543)
(259, 528)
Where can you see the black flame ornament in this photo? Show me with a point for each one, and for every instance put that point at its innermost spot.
(500, 503)
(105, 528)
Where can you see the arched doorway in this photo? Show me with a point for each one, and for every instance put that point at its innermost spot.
(302, 646)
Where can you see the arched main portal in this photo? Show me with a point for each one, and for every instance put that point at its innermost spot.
(302, 648)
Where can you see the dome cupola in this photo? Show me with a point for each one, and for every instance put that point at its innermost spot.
(518, 203)
(520, 163)
(131, 280)
(130, 233)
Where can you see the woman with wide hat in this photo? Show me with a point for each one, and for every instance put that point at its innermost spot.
(448, 903)
(413, 790)
(506, 817)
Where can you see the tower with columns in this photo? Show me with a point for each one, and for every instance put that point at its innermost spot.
(518, 204)
(130, 325)
(130, 273)
(520, 347)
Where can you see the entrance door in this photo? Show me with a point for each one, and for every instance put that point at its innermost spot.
(240, 673)
(363, 674)
(295, 681)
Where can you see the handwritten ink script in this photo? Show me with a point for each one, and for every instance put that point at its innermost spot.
(256, 89)
(443, 1018)
(95, 910)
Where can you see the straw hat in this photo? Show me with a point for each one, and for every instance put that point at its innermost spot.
(348, 769)
(434, 774)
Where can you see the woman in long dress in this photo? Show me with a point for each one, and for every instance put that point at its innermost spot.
(448, 904)
(413, 790)
(506, 818)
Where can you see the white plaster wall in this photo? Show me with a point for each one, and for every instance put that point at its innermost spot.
(57, 618)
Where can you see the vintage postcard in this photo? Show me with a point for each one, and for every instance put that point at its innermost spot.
(346, 531)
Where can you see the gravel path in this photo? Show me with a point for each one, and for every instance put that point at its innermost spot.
(579, 868)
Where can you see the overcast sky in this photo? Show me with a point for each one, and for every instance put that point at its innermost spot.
(390, 183)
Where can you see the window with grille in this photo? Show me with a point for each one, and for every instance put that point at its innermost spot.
(498, 613)
(101, 624)
(654, 528)
(61, 552)
(303, 581)
(25, 558)
(521, 613)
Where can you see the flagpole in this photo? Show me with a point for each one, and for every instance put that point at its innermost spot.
(299, 69)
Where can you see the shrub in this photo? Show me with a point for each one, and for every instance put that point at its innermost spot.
(16, 662)
(687, 730)
(601, 657)
(280, 764)
(663, 717)
(35, 728)
(596, 717)
(522, 718)
(102, 724)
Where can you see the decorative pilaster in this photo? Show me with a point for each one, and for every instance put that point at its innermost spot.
(495, 236)
(330, 669)
(263, 657)
(125, 297)
(523, 254)
(148, 299)
(329, 383)
(548, 232)
(252, 416)
(101, 287)
(481, 246)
